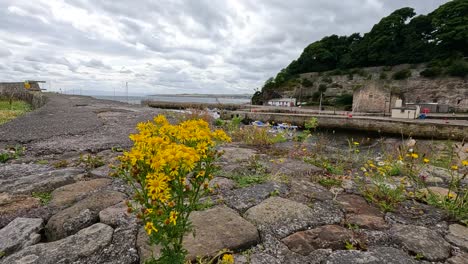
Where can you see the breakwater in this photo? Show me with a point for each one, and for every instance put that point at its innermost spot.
(187, 105)
(436, 129)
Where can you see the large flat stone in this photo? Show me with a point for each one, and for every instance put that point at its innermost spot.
(293, 168)
(458, 235)
(360, 213)
(236, 154)
(72, 249)
(414, 213)
(327, 236)
(80, 215)
(215, 229)
(117, 215)
(380, 255)
(13, 206)
(304, 191)
(244, 198)
(458, 259)
(69, 194)
(355, 204)
(367, 221)
(45, 179)
(20, 233)
(221, 184)
(444, 174)
(422, 240)
(283, 217)
(121, 250)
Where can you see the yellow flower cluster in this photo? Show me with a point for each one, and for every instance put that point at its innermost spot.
(163, 156)
(227, 259)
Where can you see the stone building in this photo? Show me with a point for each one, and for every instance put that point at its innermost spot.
(374, 97)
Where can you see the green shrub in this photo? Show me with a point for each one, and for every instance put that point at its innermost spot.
(327, 80)
(315, 96)
(322, 87)
(330, 182)
(458, 68)
(311, 124)
(60, 164)
(44, 197)
(91, 161)
(402, 74)
(335, 72)
(11, 153)
(387, 68)
(4, 157)
(307, 83)
(253, 136)
(218, 122)
(344, 99)
(431, 72)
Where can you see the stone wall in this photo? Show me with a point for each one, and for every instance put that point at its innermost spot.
(17, 90)
(426, 129)
(445, 90)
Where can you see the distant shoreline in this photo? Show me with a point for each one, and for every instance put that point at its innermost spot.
(206, 95)
(210, 99)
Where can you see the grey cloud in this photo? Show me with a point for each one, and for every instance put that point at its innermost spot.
(19, 68)
(5, 52)
(175, 45)
(46, 59)
(94, 63)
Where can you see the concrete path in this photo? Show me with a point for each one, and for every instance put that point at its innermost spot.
(74, 123)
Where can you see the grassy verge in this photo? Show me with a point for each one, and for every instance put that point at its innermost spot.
(9, 112)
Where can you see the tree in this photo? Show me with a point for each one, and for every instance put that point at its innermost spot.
(450, 22)
(257, 98)
(385, 40)
(400, 37)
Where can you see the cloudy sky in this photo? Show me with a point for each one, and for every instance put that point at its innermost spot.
(171, 46)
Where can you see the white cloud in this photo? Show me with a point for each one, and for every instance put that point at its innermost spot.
(4, 52)
(172, 46)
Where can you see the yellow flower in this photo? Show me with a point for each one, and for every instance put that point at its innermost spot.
(160, 120)
(451, 195)
(356, 143)
(465, 162)
(426, 160)
(414, 155)
(454, 167)
(149, 227)
(201, 174)
(149, 211)
(173, 217)
(227, 259)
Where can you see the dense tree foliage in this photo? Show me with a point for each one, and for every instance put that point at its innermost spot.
(398, 38)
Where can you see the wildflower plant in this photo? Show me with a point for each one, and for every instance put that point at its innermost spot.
(169, 168)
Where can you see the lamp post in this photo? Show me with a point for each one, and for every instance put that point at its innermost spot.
(385, 107)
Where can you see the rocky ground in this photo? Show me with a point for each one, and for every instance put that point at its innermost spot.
(56, 207)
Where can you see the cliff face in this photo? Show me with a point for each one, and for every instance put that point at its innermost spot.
(452, 91)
